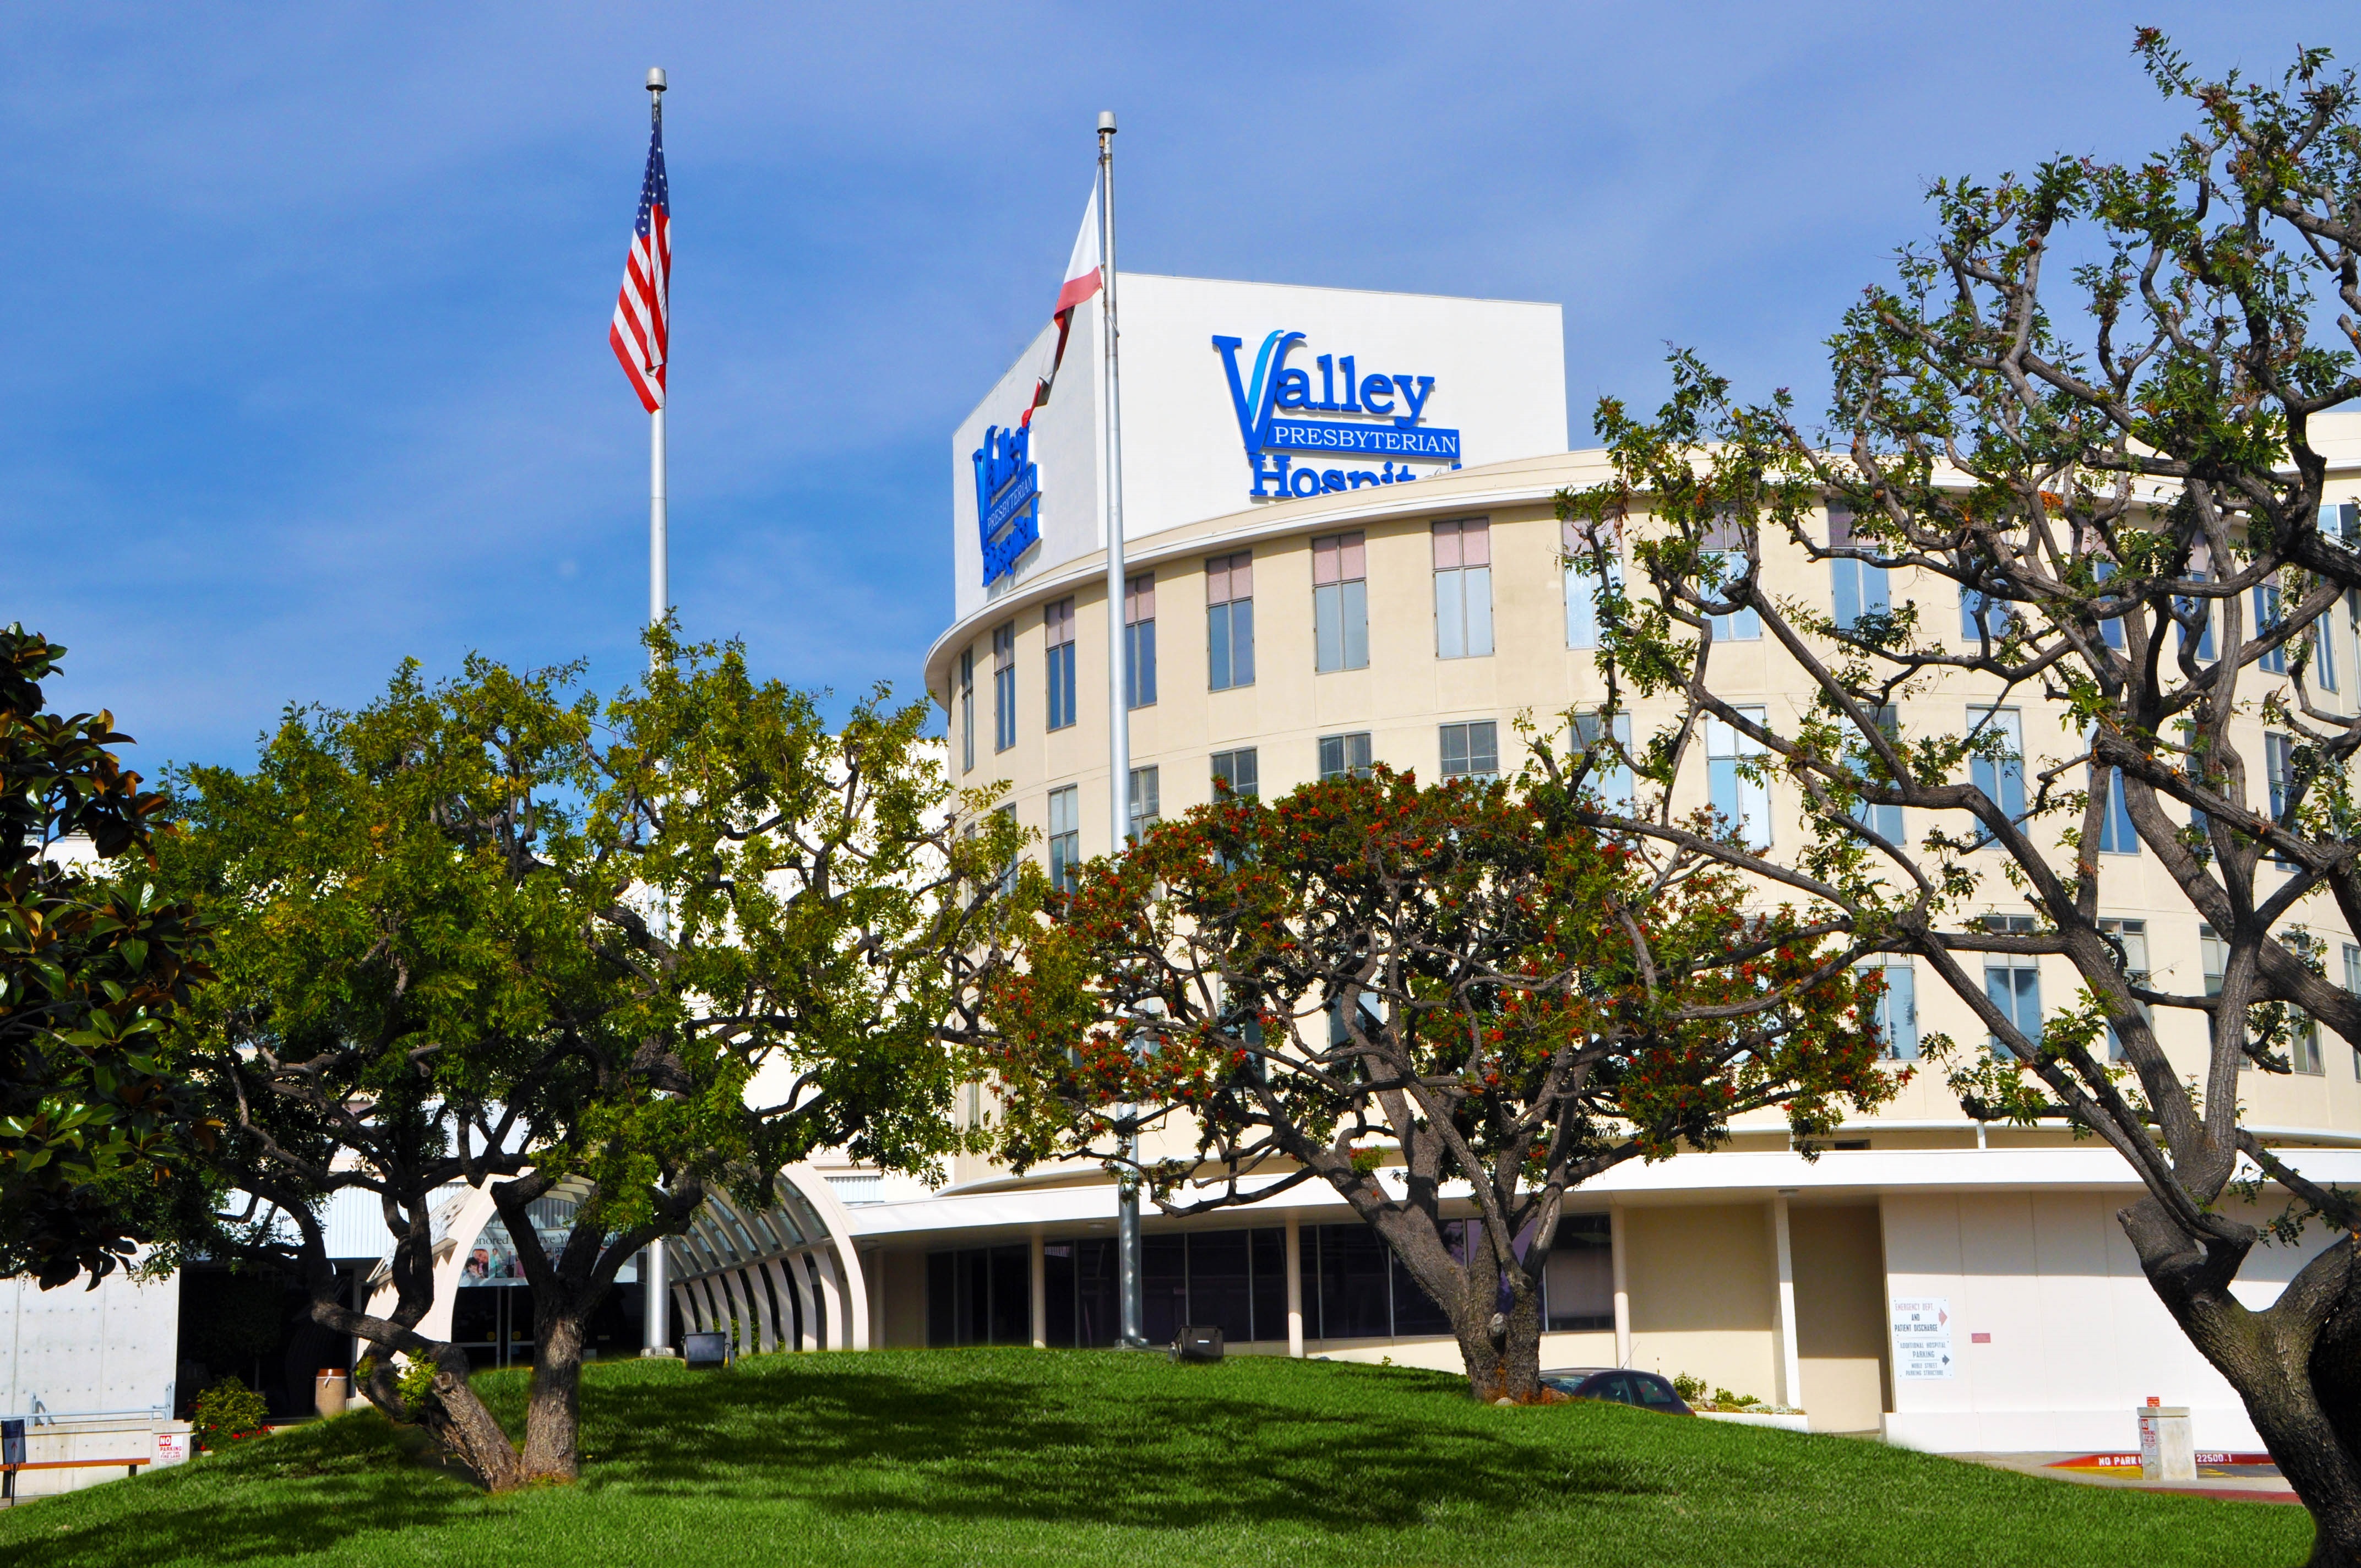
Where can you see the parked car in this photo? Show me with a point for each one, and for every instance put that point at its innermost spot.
(1621, 1384)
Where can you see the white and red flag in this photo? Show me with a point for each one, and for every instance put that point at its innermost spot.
(642, 331)
(1083, 276)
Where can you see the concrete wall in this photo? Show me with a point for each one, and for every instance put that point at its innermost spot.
(2078, 1339)
(76, 1349)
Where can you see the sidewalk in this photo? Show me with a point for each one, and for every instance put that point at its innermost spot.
(2234, 1479)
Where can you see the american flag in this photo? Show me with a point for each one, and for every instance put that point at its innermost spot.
(642, 330)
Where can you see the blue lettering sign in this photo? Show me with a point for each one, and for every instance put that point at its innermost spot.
(1007, 497)
(1396, 404)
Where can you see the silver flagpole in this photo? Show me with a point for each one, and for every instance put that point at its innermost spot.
(659, 582)
(1134, 1312)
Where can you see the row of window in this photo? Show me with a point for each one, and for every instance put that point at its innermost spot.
(1340, 618)
(1350, 1286)
(1463, 616)
(1471, 750)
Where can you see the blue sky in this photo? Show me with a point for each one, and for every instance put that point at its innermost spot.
(311, 302)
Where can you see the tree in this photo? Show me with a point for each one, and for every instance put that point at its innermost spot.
(1396, 989)
(95, 1129)
(2112, 480)
(496, 932)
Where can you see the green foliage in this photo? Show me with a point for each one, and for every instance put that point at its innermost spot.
(1458, 983)
(415, 1383)
(494, 929)
(227, 1412)
(97, 1130)
(941, 1457)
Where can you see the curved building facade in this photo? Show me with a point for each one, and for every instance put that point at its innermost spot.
(1412, 613)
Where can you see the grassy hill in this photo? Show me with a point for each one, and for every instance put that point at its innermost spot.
(1064, 1458)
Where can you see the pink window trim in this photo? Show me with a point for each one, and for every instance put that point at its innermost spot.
(1139, 599)
(1057, 619)
(1229, 578)
(1339, 558)
(1465, 543)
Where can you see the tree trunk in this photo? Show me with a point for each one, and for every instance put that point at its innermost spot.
(2292, 1364)
(465, 1427)
(1502, 1347)
(553, 1414)
(454, 1417)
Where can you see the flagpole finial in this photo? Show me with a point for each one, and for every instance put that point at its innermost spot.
(1106, 122)
(656, 79)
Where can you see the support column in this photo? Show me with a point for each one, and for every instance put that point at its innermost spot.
(1040, 1293)
(1294, 1284)
(655, 1289)
(1791, 1368)
(1619, 1254)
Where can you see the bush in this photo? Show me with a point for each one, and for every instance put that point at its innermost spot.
(228, 1413)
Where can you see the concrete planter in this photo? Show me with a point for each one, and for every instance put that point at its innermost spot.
(1796, 1422)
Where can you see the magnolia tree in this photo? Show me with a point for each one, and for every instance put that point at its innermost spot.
(1451, 1004)
(96, 1128)
(495, 932)
(2116, 466)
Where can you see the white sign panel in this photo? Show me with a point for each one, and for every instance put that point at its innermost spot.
(172, 1447)
(1239, 395)
(1922, 1339)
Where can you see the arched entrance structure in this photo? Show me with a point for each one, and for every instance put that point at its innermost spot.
(783, 1277)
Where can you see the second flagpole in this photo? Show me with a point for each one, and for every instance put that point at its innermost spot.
(1133, 1307)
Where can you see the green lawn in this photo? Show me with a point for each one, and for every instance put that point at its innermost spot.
(1084, 1459)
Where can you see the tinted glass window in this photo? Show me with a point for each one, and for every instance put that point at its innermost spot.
(1654, 1391)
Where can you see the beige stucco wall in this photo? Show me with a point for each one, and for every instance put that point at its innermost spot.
(1406, 692)
(1840, 1314)
(1704, 1294)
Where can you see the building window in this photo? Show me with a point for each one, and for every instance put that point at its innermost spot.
(2200, 611)
(2267, 621)
(1471, 750)
(1238, 770)
(2353, 984)
(1340, 603)
(967, 710)
(2132, 935)
(1582, 589)
(2111, 628)
(1140, 642)
(2001, 776)
(1857, 588)
(1004, 687)
(1881, 818)
(1057, 659)
(1981, 616)
(2116, 834)
(1744, 803)
(2213, 955)
(1726, 552)
(1008, 869)
(2013, 982)
(1897, 1015)
(1065, 837)
(2324, 650)
(2279, 770)
(1345, 754)
(1229, 621)
(1145, 806)
(1610, 771)
(2303, 1050)
(1463, 589)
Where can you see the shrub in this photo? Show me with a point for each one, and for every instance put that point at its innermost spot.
(227, 1413)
